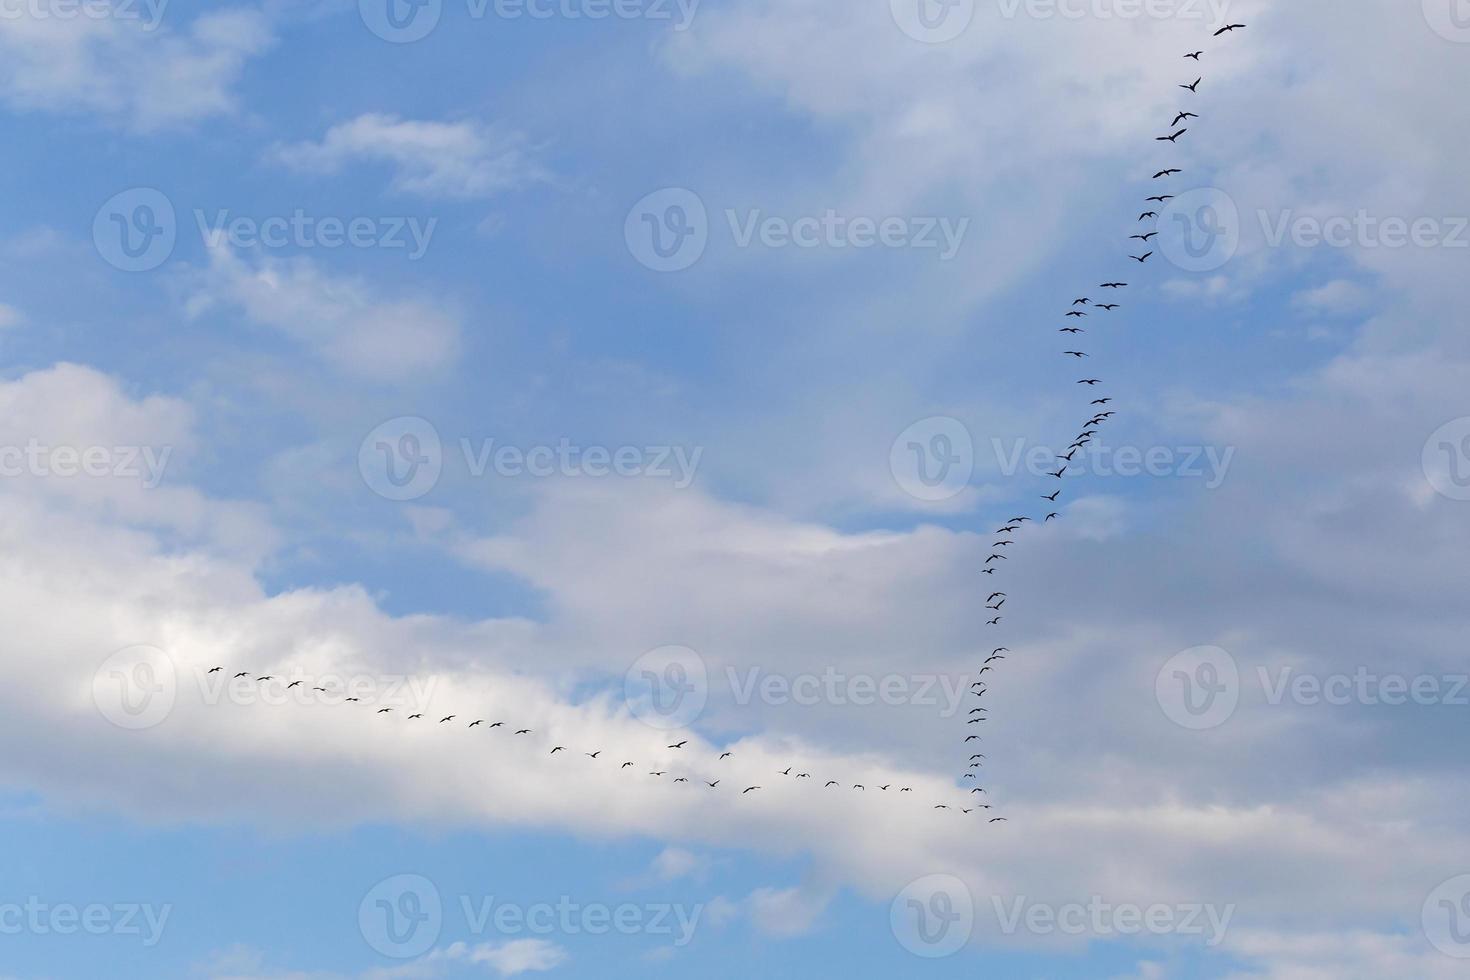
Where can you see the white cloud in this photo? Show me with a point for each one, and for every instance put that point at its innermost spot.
(1340, 296)
(455, 160)
(122, 70)
(344, 320)
(509, 958)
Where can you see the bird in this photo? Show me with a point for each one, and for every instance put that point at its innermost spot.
(524, 731)
(1161, 198)
(243, 673)
(1148, 214)
(977, 789)
(1074, 353)
(681, 779)
(830, 782)
(1140, 259)
(1076, 313)
(749, 789)
(1183, 116)
(1081, 302)
(559, 748)
(1090, 381)
(322, 689)
(1102, 401)
(885, 788)
(724, 755)
(480, 721)
(1050, 516)
(1058, 474)
(1071, 330)
(1143, 238)
(593, 755)
(1194, 87)
(1110, 307)
(625, 765)
(940, 806)
(679, 745)
(215, 670)
(1228, 28)
(1172, 138)
(354, 699)
(1195, 55)
(384, 711)
(658, 774)
(999, 820)
(1052, 497)
(446, 718)
(412, 717)
(713, 784)
(999, 595)
(1113, 285)
(973, 738)
(292, 684)
(906, 789)
(267, 677)
(860, 786)
(498, 724)
(995, 558)
(977, 755)
(1167, 173)
(786, 771)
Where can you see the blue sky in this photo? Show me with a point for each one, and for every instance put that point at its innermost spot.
(507, 456)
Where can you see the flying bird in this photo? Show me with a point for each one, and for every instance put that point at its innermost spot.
(446, 718)
(724, 755)
(559, 748)
(748, 789)
(243, 673)
(1193, 87)
(1052, 497)
(1114, 306)
(1228, 28)
(1076, 313)
(412, 717)
(1183, 116)
(1113, 285)
(215, 670)
(1195, 56)
(1174, 138)
(478, 722)
(1167, 173)
(1071, 330)
(524, 731)
(679, 745)
(292, 684)
(1143, 238)
(1161, 198)
(1148, 214)
(1090, 381)
(1140, 259)
(713, 784)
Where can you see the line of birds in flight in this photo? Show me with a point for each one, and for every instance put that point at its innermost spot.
(1080, 310)
(596, 755)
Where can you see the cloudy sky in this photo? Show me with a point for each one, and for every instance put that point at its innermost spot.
(639, 372)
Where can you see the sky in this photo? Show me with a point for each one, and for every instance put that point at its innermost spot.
(638, 372)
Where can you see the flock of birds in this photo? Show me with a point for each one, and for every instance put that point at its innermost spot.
(1099, 413)
(1082, 309)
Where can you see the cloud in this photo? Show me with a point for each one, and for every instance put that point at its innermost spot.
(464, 160)
(132, 72)
(346, 321)
(510, 958)
(1340, 296)
(10, 316)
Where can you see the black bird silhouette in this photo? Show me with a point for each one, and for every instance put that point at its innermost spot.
(1193, 87)
(999, 595)
(1090, 381)
(830, 782)
(860, 786)
(713, 784)
(1071, 330)
(973, 738)
(498, 724)
(940, 806)
(1074, 353)
(243, 673)
(1113, 285)
(1144, 238)
(1076, 313)
(1167, 173)
(524, 731)
(384, 711)
(593, 755)
(679, 745)
(478, 722)
(354, 699)
(658, 774)
(625, 765)
(748, 789)
(215, 670)
(1228, 28)
(1148, 214)
(1114, 306)
(1161, 198)
(1081, 302)
(994, 622)
(1052, 497)
(724, 755)
(1102, 401)
(559, 748)
(1050, 516)
(1183, 116)
(446, 718)
(1195, 56)
(267, 677)
(1173, 138)
(999, 820)
(786, 771)
(412, 717)
(292, 684)
(1140, 259)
